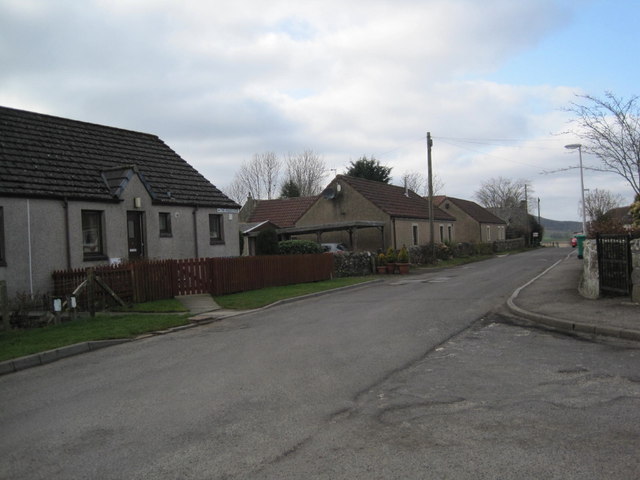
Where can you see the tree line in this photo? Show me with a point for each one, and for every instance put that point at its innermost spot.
(609, 126)
(268, 176)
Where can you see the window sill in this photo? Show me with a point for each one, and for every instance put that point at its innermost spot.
(166, 235)
(216, 242)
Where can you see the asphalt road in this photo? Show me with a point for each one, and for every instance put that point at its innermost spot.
(416, 377)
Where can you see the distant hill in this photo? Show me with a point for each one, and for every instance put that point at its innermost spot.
(559, 231)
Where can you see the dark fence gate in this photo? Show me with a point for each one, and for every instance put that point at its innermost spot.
(614, 264)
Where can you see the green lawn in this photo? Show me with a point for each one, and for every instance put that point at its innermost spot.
(16, 343)
(266, 296)
(158, 306)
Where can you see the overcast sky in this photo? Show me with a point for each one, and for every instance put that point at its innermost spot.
(221, 80)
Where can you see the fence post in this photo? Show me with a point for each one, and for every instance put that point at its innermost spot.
(4, 306)
(91, 291)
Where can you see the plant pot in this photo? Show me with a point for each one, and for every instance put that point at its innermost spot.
(382, 269)
(403, 268)
(391, 268)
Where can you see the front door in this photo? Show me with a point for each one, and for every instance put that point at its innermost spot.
(135, 234)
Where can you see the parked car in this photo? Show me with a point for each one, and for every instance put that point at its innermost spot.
(334, 248)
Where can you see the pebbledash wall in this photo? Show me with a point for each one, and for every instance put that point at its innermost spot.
(589, 286)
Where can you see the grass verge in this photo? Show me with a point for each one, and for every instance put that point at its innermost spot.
(266, 296)
(17, 343)
(157, 306)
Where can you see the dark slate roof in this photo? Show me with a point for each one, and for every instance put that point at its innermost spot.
(50, 157)
(283, 212)
(475, 211)
(393, 200)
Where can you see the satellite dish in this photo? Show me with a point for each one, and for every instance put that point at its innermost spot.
(329, 193)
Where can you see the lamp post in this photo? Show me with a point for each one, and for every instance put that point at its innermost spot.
(573, 146)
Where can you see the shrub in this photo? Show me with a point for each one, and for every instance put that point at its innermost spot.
(267, 242)
(382, 259)
(391, 255)
(403, 255)
(423, 254)
(293, 247)
(24, 303)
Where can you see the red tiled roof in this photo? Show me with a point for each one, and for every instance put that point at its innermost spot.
(394, 200)
(283, 212)
(475, 211)
(622, 214)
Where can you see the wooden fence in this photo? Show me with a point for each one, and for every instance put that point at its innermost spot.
(148, 280)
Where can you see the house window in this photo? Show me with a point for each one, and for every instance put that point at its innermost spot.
(488, 233)
(415, 234)
(92, 235)
(450, 233)
(216, 235)
(164, 220)
(3, 258)
(441, 233)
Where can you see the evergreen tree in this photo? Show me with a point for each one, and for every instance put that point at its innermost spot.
(290, 189)
(370, 169)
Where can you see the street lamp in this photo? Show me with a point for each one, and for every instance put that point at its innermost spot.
(573, 146)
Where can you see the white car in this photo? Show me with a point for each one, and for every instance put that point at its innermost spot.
(334, 248)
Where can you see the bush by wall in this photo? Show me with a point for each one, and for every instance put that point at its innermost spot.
(423, 254)
(267, 242)
(466, 249)
(294, 247)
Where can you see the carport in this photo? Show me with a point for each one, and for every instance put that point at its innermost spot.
(318, 230)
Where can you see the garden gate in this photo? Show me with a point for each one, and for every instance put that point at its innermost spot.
(614, 264)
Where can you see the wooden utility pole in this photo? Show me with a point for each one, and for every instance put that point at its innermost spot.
(430, 181)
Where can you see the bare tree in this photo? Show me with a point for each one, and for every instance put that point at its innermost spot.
(257, 178)
(306, 170)
(419, 183)
(503, 193)
(236, 191)
(598, 202)
(610, 127)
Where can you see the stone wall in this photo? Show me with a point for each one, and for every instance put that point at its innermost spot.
(353, 264)
(589, 286)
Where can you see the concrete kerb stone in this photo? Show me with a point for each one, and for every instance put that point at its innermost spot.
(567, 325)
(49, 356)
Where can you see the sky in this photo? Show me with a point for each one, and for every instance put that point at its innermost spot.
(220, 81)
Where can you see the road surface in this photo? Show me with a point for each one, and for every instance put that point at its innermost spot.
(415, 377)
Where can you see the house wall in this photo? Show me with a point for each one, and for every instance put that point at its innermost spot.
(404, 231)
(467, 229)
(36, 235)
(348, 206)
